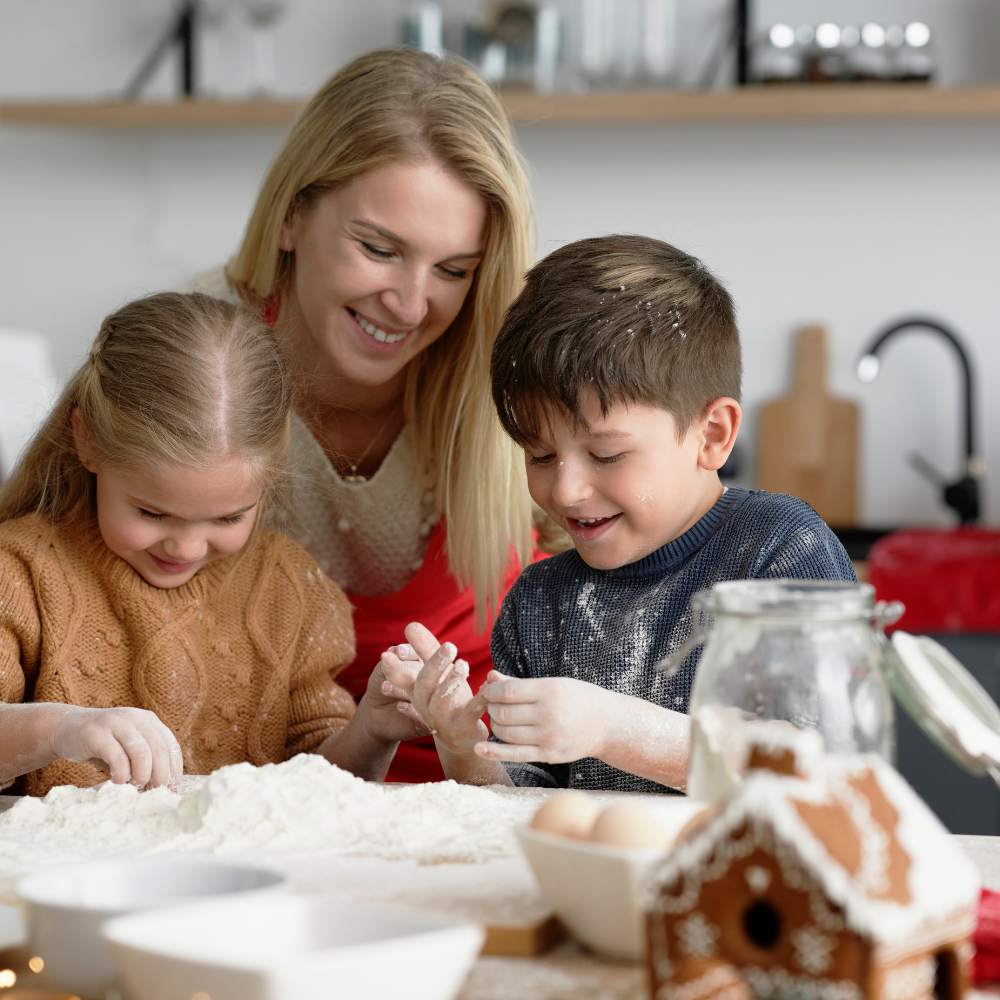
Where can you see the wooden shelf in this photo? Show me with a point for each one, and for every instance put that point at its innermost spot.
(779, 102)
(152, 114)
(775, 103)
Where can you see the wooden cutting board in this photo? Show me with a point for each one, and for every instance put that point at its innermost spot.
(807, 441)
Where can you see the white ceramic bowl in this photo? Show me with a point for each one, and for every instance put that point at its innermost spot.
(290, 948)
(596, 890)
(65, 908)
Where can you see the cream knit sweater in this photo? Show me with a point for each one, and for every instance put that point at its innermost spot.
(238, 662)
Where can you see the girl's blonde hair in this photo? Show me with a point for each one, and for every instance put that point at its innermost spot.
(185, 379)
(401, 106)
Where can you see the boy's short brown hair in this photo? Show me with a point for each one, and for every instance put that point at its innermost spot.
(631, 318)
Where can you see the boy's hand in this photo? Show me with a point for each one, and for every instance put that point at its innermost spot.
(131, 743)
(440, 692)
(549, 719)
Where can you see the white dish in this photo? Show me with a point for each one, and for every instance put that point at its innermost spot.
(65, 907)
(597, 890)
(12, 930)
(290, 948)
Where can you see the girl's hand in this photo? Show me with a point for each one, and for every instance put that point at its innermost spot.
(131, 743)
(389, 715)
(440, 693)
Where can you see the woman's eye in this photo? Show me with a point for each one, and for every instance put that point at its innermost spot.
(149, 515)
(375, 252)
(541, 459)
(608, 459)
(459, 275)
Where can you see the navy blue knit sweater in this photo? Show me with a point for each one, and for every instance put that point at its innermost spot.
(562, 618)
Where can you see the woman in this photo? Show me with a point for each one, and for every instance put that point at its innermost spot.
(387, 241)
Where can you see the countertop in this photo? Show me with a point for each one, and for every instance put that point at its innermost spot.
(497, 891)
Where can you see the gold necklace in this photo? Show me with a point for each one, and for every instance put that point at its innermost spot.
(354, 477)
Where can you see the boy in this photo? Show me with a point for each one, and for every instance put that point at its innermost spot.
(618, 371)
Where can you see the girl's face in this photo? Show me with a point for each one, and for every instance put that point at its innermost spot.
(382, 268)
(167, 521)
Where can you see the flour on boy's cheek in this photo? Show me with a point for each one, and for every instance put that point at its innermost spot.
(623, 485)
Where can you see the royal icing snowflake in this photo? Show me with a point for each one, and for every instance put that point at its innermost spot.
(812, 949)
(696, 936)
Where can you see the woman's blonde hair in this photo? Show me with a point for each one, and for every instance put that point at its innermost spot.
(401, 106)
(185, 379)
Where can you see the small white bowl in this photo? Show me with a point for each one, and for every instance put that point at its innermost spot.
(596, 890)
(65, 908)
(290, 948)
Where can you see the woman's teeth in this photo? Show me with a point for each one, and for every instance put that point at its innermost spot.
(380, 335)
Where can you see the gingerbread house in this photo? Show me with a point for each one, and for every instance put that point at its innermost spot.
(839, 886)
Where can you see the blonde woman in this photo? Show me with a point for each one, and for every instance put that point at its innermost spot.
(388, 239)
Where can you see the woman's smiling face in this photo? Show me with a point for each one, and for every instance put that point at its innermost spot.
(382, 268)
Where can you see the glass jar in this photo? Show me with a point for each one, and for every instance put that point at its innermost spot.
(785, 655)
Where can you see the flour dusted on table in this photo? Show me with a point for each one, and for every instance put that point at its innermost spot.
(303, 806)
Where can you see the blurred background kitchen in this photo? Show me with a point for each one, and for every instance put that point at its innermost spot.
(853, 182)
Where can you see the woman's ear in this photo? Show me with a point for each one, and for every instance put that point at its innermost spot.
(720, 424)
(85, 450)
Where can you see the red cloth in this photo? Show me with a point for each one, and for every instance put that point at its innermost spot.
(948, 580)
(434, 599)
(986, 964)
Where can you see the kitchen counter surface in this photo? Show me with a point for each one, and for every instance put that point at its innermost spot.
(499, 891)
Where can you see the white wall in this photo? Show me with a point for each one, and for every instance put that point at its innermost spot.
(846, 224)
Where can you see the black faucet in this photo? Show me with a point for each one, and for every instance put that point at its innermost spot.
(962, 495)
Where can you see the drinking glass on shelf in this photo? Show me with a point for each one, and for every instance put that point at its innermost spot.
(915, 57)
(263, 17)
(778, 57)
(627, 42)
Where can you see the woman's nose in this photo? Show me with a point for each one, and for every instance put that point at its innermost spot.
(407, 299)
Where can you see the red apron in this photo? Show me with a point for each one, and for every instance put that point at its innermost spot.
(434, 599)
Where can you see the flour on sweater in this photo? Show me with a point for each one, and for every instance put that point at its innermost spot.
(303, 806)
(563, 618)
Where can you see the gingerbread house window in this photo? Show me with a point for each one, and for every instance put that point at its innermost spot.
(762, 924)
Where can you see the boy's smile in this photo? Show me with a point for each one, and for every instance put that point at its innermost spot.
(624, 486)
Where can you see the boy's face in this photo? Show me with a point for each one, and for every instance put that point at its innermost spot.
(625, 487)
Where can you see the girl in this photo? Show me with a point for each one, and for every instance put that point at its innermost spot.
(148, 624)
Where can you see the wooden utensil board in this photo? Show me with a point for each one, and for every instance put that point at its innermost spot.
(807, 441)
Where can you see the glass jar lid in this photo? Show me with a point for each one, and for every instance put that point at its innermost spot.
(946, 702)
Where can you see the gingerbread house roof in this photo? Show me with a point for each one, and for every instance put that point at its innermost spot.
(858, 829)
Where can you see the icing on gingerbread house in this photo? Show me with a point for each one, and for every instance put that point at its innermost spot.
(839, 886)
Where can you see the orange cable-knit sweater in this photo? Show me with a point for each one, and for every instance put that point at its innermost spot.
(238, 661)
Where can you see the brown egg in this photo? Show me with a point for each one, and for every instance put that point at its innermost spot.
(626, 824)
(568, 814)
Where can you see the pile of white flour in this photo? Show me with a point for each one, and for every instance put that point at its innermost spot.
(304, 806)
